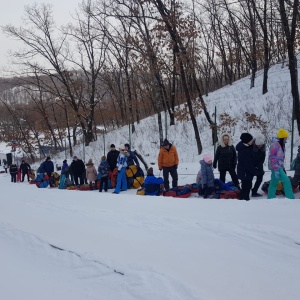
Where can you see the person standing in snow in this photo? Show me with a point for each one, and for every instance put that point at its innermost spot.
(226, 158)
(259, 153)
(207, 175)
(65, 169)
(103, 170)
(121, 165)
(112, 158)
(168, 162)
(78, 170)
(91, 172)
(276, 165)
(296, 178)
(245, 166)
(13, 170)
(25, 168)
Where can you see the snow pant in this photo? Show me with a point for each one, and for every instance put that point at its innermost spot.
(287, 186)
(5, 170)
(112, 177)
(259, 179)
(245, 190)
(233, 175)
(121, 181)
(13, 177)
(23, 176)
(80, 177)
(103, 184)
(173, 172)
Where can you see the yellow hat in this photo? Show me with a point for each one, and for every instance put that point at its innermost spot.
(282, 133)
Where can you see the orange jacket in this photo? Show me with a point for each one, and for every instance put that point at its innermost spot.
(167, 158)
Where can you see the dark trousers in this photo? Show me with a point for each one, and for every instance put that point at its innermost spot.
(23, 176)
(104, 184)
(233, 175)
(13, 177)
(80, 177)
(259, 179)
(245, 190)
(296, 180)
(173, 172)
(207, 191)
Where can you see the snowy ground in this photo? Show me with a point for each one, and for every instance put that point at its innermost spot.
(134, 247)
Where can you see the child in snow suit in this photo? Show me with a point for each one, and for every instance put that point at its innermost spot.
(207, 175)
(13, 170)
(103, 170)
(91, 173)
(121, 165)
(276, 165)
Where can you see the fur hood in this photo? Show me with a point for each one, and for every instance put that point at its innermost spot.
(229, 142)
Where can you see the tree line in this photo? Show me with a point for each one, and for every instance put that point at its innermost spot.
(120, 61)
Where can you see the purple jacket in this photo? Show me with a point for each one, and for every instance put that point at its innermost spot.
(276, 156)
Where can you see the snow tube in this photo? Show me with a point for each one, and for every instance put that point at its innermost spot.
(54, 179)
(135, 176)
(42, 181)
(279, 190)
(179, 192)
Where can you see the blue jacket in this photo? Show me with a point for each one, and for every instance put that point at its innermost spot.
(121, 161)
(152, 185)
(48, 166)
(103, 168)
(207, 174)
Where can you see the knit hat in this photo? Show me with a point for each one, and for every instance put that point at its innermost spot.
(48, 158)
(259, 140)
(103, 157)
(122, 147)
(75, 157)
(150, 171)
(127, 145)
(112, 146)
(207, 158)
(166, 142)
(64, 161)
(281, 134)
(246, 137)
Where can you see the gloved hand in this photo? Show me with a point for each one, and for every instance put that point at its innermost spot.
(119, 171)
(160, 169)
(175, 167)
(277, 175)
(214, 166)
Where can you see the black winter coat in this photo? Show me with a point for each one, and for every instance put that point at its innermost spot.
(112, 157)
(245, 167)
(259, 159)
(297, 164)
(24, 168)
(226, 158)
(13, 169)
(77, 167)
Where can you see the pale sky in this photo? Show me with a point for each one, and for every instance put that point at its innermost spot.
(12, 11)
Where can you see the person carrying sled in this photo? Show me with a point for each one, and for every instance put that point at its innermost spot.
(13, 170)
(226, 159)
(207, 175)
(131, 158)
(121, 165)
(112, 158)
(245, 166)
(152, 184)
(168, 162)
(25, 169)
(103, 170)
(259, 153)
(276, 165)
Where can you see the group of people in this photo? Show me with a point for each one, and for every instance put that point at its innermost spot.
(246, 161)
(243, 163)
